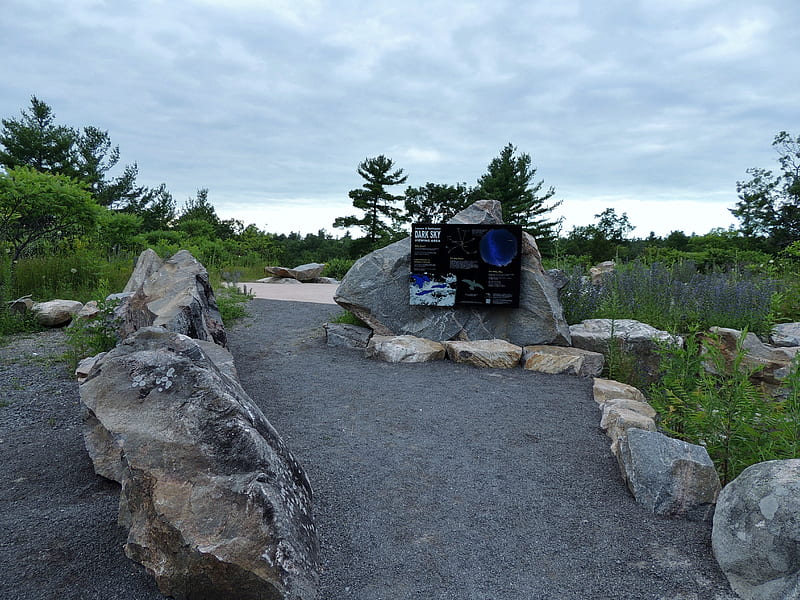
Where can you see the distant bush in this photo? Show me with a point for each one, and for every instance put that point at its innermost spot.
(337, 267)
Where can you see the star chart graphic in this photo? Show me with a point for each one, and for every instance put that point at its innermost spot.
(463, 265)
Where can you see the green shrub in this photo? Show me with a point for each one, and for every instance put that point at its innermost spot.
(706, 400)
(232, 301)
(90, 336)
(349, 319)
(337, 267)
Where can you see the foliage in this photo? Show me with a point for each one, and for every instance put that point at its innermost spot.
(706, 400)
(602, 241)
(89, 336)
(36, 141)
(675, 298)
(337, 267)
(36, 205)
(510, 180)
(348, 318)
(232, 301)
(769, 204)
(376, 201)
(435, 202)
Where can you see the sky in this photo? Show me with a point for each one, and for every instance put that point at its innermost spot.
(655, 108)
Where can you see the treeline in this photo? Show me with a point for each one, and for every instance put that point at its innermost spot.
(59, 197)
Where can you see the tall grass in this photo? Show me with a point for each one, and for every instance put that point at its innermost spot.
(677, 298)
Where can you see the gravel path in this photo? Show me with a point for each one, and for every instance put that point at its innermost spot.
(432, 481)
(441, 481)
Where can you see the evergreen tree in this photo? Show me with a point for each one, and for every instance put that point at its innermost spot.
(36, 141)
(510, 180)
(435, 202)
(376, 201)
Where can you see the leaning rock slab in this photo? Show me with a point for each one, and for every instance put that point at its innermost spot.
(491, 354)
(562, 359)
(178, 297)
(147, 263)
(668, 476)
(756, 532)
(56, 313)
(375, 289)
(773, 363)
(214, 502)
(404, 348)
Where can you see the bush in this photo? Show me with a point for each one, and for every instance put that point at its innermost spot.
(722, 409)
(338, 267)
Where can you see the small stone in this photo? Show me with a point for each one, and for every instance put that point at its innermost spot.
(345, 335)
(404, 348)
(562, 359)
(608, 389)
(492, 354)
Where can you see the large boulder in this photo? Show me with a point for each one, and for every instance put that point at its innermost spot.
(376, 290)
(178, 297)
(785, 334)
(214, 502)
(56, 313)
(756, 533)
(639, 340)
(667, 476)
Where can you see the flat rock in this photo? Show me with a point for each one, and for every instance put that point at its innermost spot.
(617, 420)
(756, 532)
(214, 503)
(345, 335)
(56, 313)
(562, 359)
(605, 390)
(643, 408)
(404, 348)
(376, 290)
(491, 354)
(667, 476)
(279, 280)
(302, 273)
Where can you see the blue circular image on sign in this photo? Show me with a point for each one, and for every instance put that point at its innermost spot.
(498, 247)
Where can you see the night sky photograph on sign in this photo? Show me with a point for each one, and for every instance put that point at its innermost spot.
(465, 265)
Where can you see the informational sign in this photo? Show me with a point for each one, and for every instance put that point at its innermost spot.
(454, 265)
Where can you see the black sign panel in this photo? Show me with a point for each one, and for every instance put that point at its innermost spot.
(474, 265)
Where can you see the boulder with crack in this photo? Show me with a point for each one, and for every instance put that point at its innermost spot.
(376, 290)
(178, 297)
(215, 504)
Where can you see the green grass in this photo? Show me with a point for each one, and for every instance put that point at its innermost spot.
(348, 318)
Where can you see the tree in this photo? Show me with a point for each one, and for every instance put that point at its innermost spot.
(155, 206)
(376, 202)
(602, 240)
(36, 141)
(36, 205)
(510, 180)
(435, 202)
(769, 204)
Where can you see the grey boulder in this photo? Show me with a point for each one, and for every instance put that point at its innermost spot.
(668, 476)
(56, 313)
(303, 273)
(214, 502)
(756, 532)
(178, 297)
(375, 289)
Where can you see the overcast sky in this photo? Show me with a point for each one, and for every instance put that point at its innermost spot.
(652, 107)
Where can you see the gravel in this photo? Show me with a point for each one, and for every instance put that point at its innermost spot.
(432, 481)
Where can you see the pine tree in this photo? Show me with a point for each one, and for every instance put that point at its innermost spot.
(510, 180)
(381, 218)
